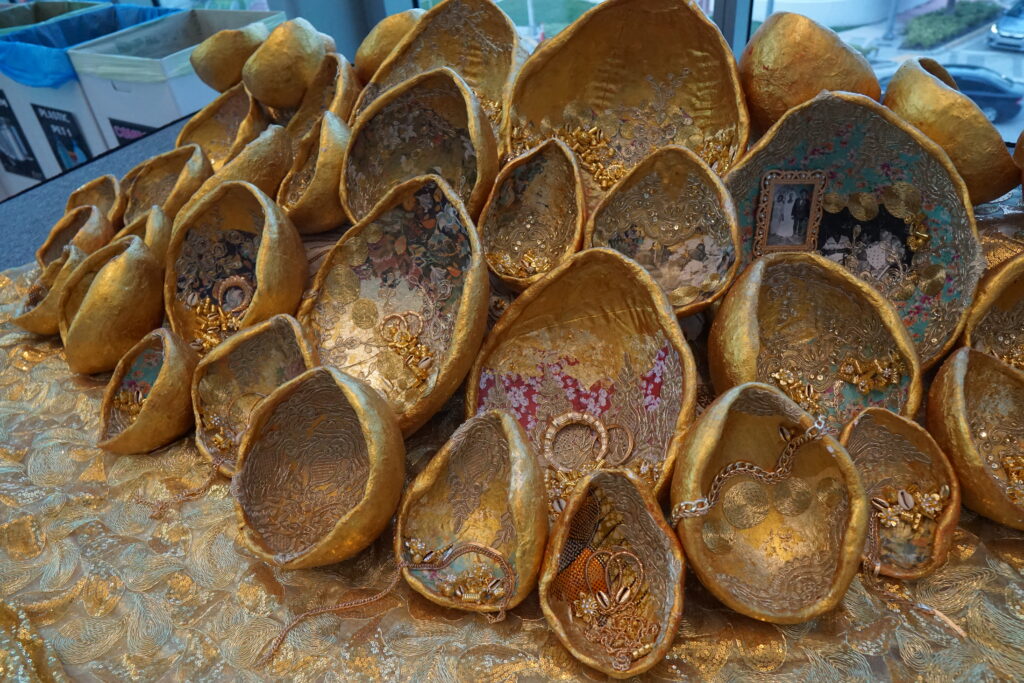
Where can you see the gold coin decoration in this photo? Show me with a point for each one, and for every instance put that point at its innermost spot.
(745, 504)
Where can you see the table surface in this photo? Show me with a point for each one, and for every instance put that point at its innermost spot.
(26, 218)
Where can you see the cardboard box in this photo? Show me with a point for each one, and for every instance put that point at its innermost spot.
(140, 79)
(14, 17)
(46, 124)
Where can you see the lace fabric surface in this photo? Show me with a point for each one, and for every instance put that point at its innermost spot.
(116, 595)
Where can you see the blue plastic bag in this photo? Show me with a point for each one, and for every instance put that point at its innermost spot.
(37, 56)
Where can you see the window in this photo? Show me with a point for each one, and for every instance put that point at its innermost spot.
(980, 42)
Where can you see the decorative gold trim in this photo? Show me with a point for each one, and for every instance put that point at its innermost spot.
(766, 205)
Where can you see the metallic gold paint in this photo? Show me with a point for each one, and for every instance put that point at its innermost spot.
(224, 126)
(671, 566)
(986, 379)
(222, 353)
(382, 39)
(525, 499)
(792, 58)
(281, 267)
(43, 317)
(900, 428)
(218, 60)
(1000, 290)
(311, 198)
(573, 195)
(924, 94)
(168, 180)
(111, 300)
(476, 122)
(105, 194)
(723, 435)
(155, 231)
(85, 227)
(166, 413)
(735, 339)
(282, 67)
(334, 89)
(363, 523)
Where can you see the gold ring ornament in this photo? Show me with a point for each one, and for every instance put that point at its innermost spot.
(828, 340)
(483, 488)
(534, 217)
(320, 471)
(85, 227)
(769, 507)
(914, 494)
(400, 302)
(792, 58)
(334, 89)
(280, 70)
(844, 177)
(167, 180)
(219, 59)
(40, 311)
(611, 586)
(673, 215)
(593, 386)
(233, 261)
(474, 38)
(309, 192)
(223, 127)
(996, 322)
(382, 40)
(235, 377)
(389, 143)
(105, 194)
(976, 414)
(625, 78)
(111, 301)
(923, 93)
(147, 403)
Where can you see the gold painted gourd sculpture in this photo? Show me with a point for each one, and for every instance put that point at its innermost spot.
(231, 380)
(234, 261)
(770, 508)
(382, 40)
(155, 231)
(592, 385)
(111, 300)
(790, 59)
(844, 177)
(334, 89)
(535, 215)
(281, 69)
(147, 403)
(611, 586)
(478, 509)
(387, 144)
(105, 194)
(309, 192)
(223, 127)
(474, 38)
(85, 227)
(400, 302)
(40, 311)
(914, 494)
(976, 414)
(830, 341)
(674, 216)
(923, 93)
(320, 471)
(625, 78)
(167, 180)
(219, 59)
(996, 322)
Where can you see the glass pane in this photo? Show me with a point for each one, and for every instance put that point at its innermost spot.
(980, 42)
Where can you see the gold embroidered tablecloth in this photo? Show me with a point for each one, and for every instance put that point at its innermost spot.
(88, 578)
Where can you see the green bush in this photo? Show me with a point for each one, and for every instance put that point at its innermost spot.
(935, 28)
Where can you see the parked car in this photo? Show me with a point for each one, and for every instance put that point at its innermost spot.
(998, 97)
(1008, 31)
